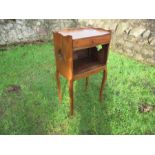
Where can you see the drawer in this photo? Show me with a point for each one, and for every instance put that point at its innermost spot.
(91, 42)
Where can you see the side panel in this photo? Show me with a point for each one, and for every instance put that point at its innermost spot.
(63, 55)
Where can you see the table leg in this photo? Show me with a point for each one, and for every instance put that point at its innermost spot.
(86, 83)
(58, 84)
(71, 96)
(103, 82)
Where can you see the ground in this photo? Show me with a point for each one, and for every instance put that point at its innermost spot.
(29, 99)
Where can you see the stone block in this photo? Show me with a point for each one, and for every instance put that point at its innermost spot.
(113, 27)
(129, 44)
(138, 56)
(122, 28)
(137, 32)
(9, 26)
(146, 34)
(152, 41)
(128, 51)
(2, 42)
(148, 51)
(151, 60)
(20, 21)
(89, 22)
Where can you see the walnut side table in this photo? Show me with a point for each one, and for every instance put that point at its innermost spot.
(77, 57)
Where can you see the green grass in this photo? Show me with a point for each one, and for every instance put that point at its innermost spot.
(35, 108)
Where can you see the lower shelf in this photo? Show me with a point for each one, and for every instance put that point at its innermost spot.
(84, 67)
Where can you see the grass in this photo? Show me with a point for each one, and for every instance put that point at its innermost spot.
(34, 109)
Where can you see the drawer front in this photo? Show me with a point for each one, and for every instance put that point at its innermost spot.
(91, 42)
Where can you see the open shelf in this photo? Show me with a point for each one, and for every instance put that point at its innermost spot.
(88, 61)
(85, 65)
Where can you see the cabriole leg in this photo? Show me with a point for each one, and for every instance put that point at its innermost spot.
(71, 96)
(86, 83)
(103, 82)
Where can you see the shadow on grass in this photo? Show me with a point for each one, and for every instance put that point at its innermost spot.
(94, 117)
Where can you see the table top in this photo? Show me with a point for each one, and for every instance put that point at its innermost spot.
(79, 33)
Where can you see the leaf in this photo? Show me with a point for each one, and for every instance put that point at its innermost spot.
(99, 47)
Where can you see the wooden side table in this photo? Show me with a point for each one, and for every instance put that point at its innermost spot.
(77, 57)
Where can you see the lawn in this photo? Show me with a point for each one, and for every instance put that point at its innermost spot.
(29, 99)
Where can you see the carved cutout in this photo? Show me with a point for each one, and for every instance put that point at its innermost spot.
(60, 55)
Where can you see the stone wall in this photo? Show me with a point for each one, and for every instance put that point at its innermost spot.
(135, 38)
(16, 31)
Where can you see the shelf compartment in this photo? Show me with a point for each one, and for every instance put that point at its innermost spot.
(84, 66)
